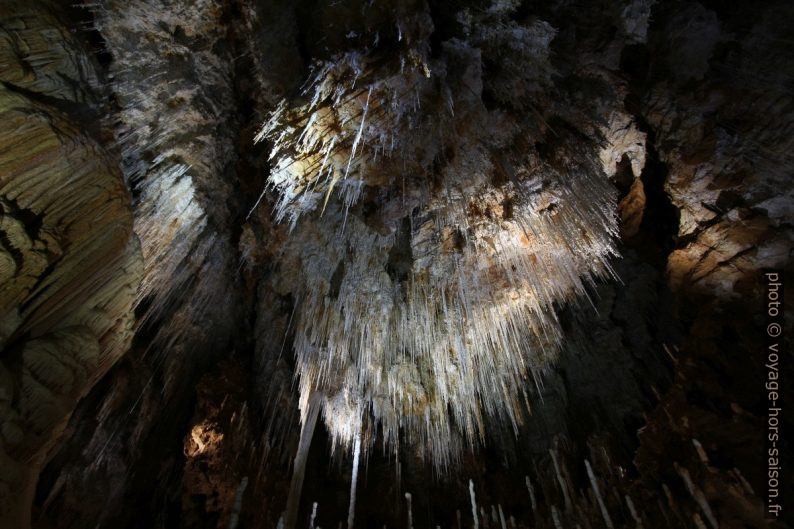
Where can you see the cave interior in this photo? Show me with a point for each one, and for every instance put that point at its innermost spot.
(370, 263)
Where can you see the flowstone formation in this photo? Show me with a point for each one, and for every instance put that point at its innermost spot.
(437, 216)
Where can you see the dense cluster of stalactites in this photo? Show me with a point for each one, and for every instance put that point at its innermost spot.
(430, 240)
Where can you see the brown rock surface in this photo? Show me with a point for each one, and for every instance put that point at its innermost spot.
(69, 262)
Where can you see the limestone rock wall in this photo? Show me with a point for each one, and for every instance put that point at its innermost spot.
(69, 261)
(175, 123)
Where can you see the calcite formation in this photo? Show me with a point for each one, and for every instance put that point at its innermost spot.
(430, 237)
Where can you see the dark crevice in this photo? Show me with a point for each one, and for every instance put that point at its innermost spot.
(401, 257)
(336, 280)
(658, 233)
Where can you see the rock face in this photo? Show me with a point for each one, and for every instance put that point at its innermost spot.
(175, 129)
(69, 261)
(509, 241)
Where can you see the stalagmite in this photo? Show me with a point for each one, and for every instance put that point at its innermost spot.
(234, 519)
(670, 500)
(560, 479)
(669, 353)
(633, 511)
(745, 484)
(502, 517)
(555, 517)
(531, 491)
(660, 505)
(352, 509)
(704, 458)
(314, 515)
(697, 495)
(597, 492)
(290, 515)
(473, 505)
(410, 511)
